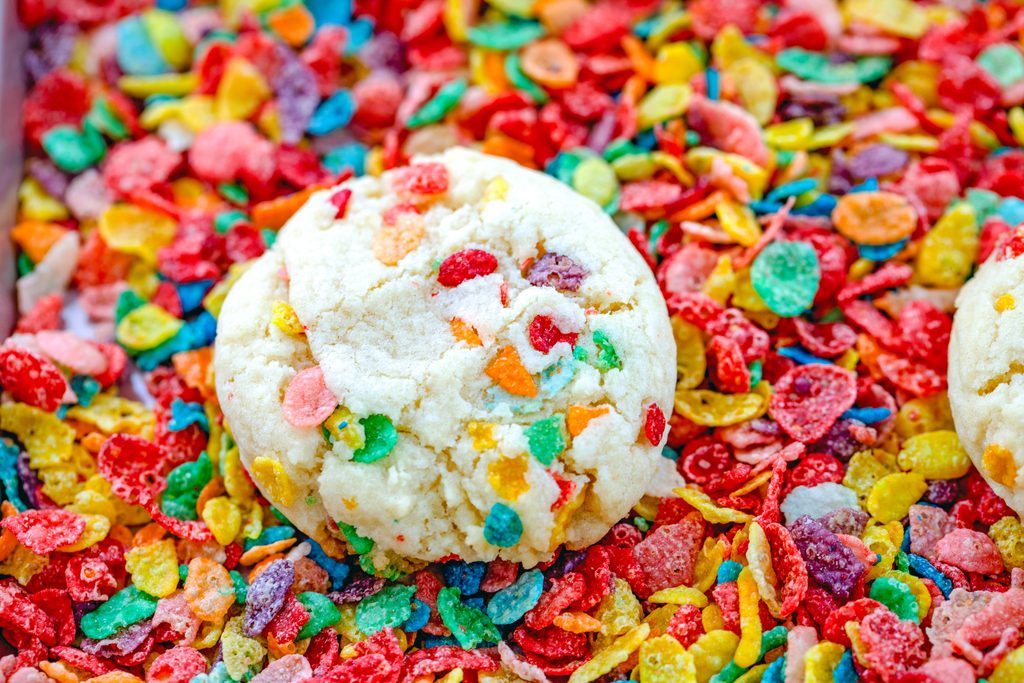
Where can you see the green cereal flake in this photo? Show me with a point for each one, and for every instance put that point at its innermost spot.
(390, 606)
(546, 439)
(124, 608)
(322, 613)
(607, 357)
(470, 626)
(380, 436)
(359, 543)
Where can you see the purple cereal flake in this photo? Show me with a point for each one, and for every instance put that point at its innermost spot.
(878, 160)
(52, 47)
(126, 641)
(297, 97)
(828, 560)
(558, 271)
(30, 483)
(51, 178)
(266, 595)
(942, 492)
(383, 52)
(822, 108)
(845, 521)
(839, 441)
(80, 609)
(356, 590)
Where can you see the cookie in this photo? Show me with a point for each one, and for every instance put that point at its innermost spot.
(463, 357)
(986, 374)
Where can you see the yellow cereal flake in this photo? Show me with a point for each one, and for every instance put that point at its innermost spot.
(507, 476)
(154, 567)
(495, 190)
(1005, 303)
(113, 414)
(708, 509)
(482, 434)
(611, 656)
(1000, 464)
(46, 438)
(286, 319)
(274, 480)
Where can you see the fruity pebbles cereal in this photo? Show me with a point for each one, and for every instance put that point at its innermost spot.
(423, 434)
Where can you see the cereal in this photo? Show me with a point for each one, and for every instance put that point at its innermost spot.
(809, 187)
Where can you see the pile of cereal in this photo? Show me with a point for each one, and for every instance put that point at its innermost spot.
(811, 181)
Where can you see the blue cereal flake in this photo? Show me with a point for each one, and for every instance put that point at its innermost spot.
(333, 113)
(191, 293)
(729, 571)
(419, 617)
(800, 356)
(466, 576)
(881, 252)
(337, 571)
(556, 377)
(792, 189)
(271, 534)
(503, 526)
(920, 566)
(184, 415)
(510, 604)
(868, 416)
(9, 474)
(136, 54)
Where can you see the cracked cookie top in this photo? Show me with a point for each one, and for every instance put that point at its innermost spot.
(462, 357)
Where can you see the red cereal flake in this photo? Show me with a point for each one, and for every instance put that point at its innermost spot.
(82, 660)
(322, 651)
(667, 555)
(562, 595)
(545, 333)
(808, 399)
(433, 660)
(500, 574)
(177, 665)
(421, 179)
(726, 365)
(31, 379)
(138, 165)
(686, 625)
(43, 531)
(339, 200)
(733, 324)
(22, 616)
(788, 565)
(466, 265)
(598, 577)
(827, 340)
(833, 628)
(654, 424)
(57, 605)
(131, 464)
(45, 315)
(287, 623)
(60, 98)
(892, 646)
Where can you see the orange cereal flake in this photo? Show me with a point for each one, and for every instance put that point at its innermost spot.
(464, 332)
(578, 417)
(508, 372)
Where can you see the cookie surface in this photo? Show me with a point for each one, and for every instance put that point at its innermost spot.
(494, 345)
(986, 374)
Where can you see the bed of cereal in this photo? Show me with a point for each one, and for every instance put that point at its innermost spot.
(811, 181)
